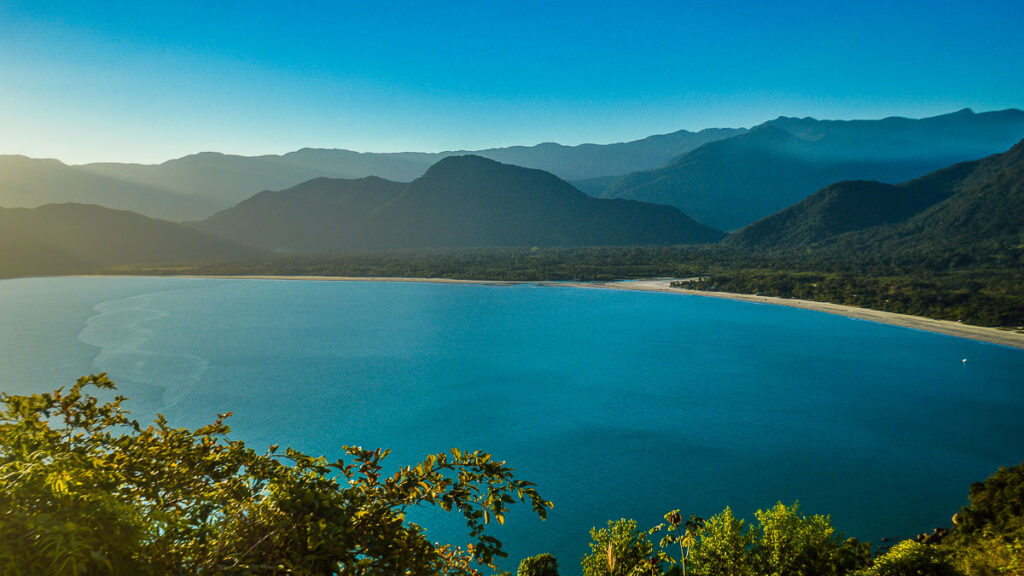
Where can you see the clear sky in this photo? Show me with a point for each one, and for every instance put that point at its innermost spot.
(142, 81)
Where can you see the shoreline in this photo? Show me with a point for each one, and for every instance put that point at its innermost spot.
(946, 327)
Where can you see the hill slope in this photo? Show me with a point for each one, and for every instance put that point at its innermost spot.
(460, 201)
(974, 207)
(731, 183)
(80, 238)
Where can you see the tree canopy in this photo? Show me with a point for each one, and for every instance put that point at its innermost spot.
(85, 489)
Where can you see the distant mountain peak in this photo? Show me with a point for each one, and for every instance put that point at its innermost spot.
(471, 164)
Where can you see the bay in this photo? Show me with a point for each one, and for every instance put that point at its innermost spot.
(616, 403)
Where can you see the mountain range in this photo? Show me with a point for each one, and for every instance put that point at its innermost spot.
(972, 209)
(733, 182)
(196, 186)
(968, 212)
(460, 201)
(725, 178)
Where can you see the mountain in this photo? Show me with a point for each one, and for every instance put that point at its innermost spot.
(81, 238)
(587, 161)
(196, 186)
(461, 201)
(733, 182)
(971, 208)
(29, 183)
(322, 215)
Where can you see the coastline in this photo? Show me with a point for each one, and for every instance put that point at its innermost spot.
(946, 327)
(662, 285)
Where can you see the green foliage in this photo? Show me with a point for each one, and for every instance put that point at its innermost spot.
(910, 558)
(784, 542)
(988, 556)
(997, 505)
(790, 544)
(988, 535)
(539, 565)
(620, 550)
(678, 532)
(723, 547)
(86, 490)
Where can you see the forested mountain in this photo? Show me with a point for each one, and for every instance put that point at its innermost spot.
(81, 238)
(970, 208)
(461, 201)
(196, 186)
(731, 183)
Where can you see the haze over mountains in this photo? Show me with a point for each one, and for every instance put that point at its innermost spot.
(460, 201)
(80, 238)
(196, 186)
(725, 178)
(732, 182)
(974, 209)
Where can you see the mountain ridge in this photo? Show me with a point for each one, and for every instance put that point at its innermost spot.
(196, 186)
(733, 182)
(461, 201)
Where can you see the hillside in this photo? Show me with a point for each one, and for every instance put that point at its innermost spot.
(970, 208)
(322, 215)
(461, 201)
(848, 206)
(80, 238)
(731, 183)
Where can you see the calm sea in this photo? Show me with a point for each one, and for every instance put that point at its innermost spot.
(617, 404)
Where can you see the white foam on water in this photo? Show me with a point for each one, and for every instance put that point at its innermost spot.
(122, 330)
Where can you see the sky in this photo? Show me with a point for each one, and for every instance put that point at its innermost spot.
(145, 82)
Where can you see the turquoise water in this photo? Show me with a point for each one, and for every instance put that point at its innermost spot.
(617, 404)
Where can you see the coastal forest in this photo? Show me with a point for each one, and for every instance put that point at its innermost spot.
(86, 489)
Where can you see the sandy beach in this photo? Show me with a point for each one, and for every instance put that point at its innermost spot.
(950, 328)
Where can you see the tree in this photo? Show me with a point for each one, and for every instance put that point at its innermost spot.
(787, 543)
(988, 535)
(673, 525)
(784, 542)
(84, 489)
(620, 550)
(722, 547)
(910, 558)
(539, 565)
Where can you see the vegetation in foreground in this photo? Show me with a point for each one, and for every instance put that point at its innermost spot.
(84, 489)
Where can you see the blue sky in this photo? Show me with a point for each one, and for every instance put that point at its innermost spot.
(149, 81)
